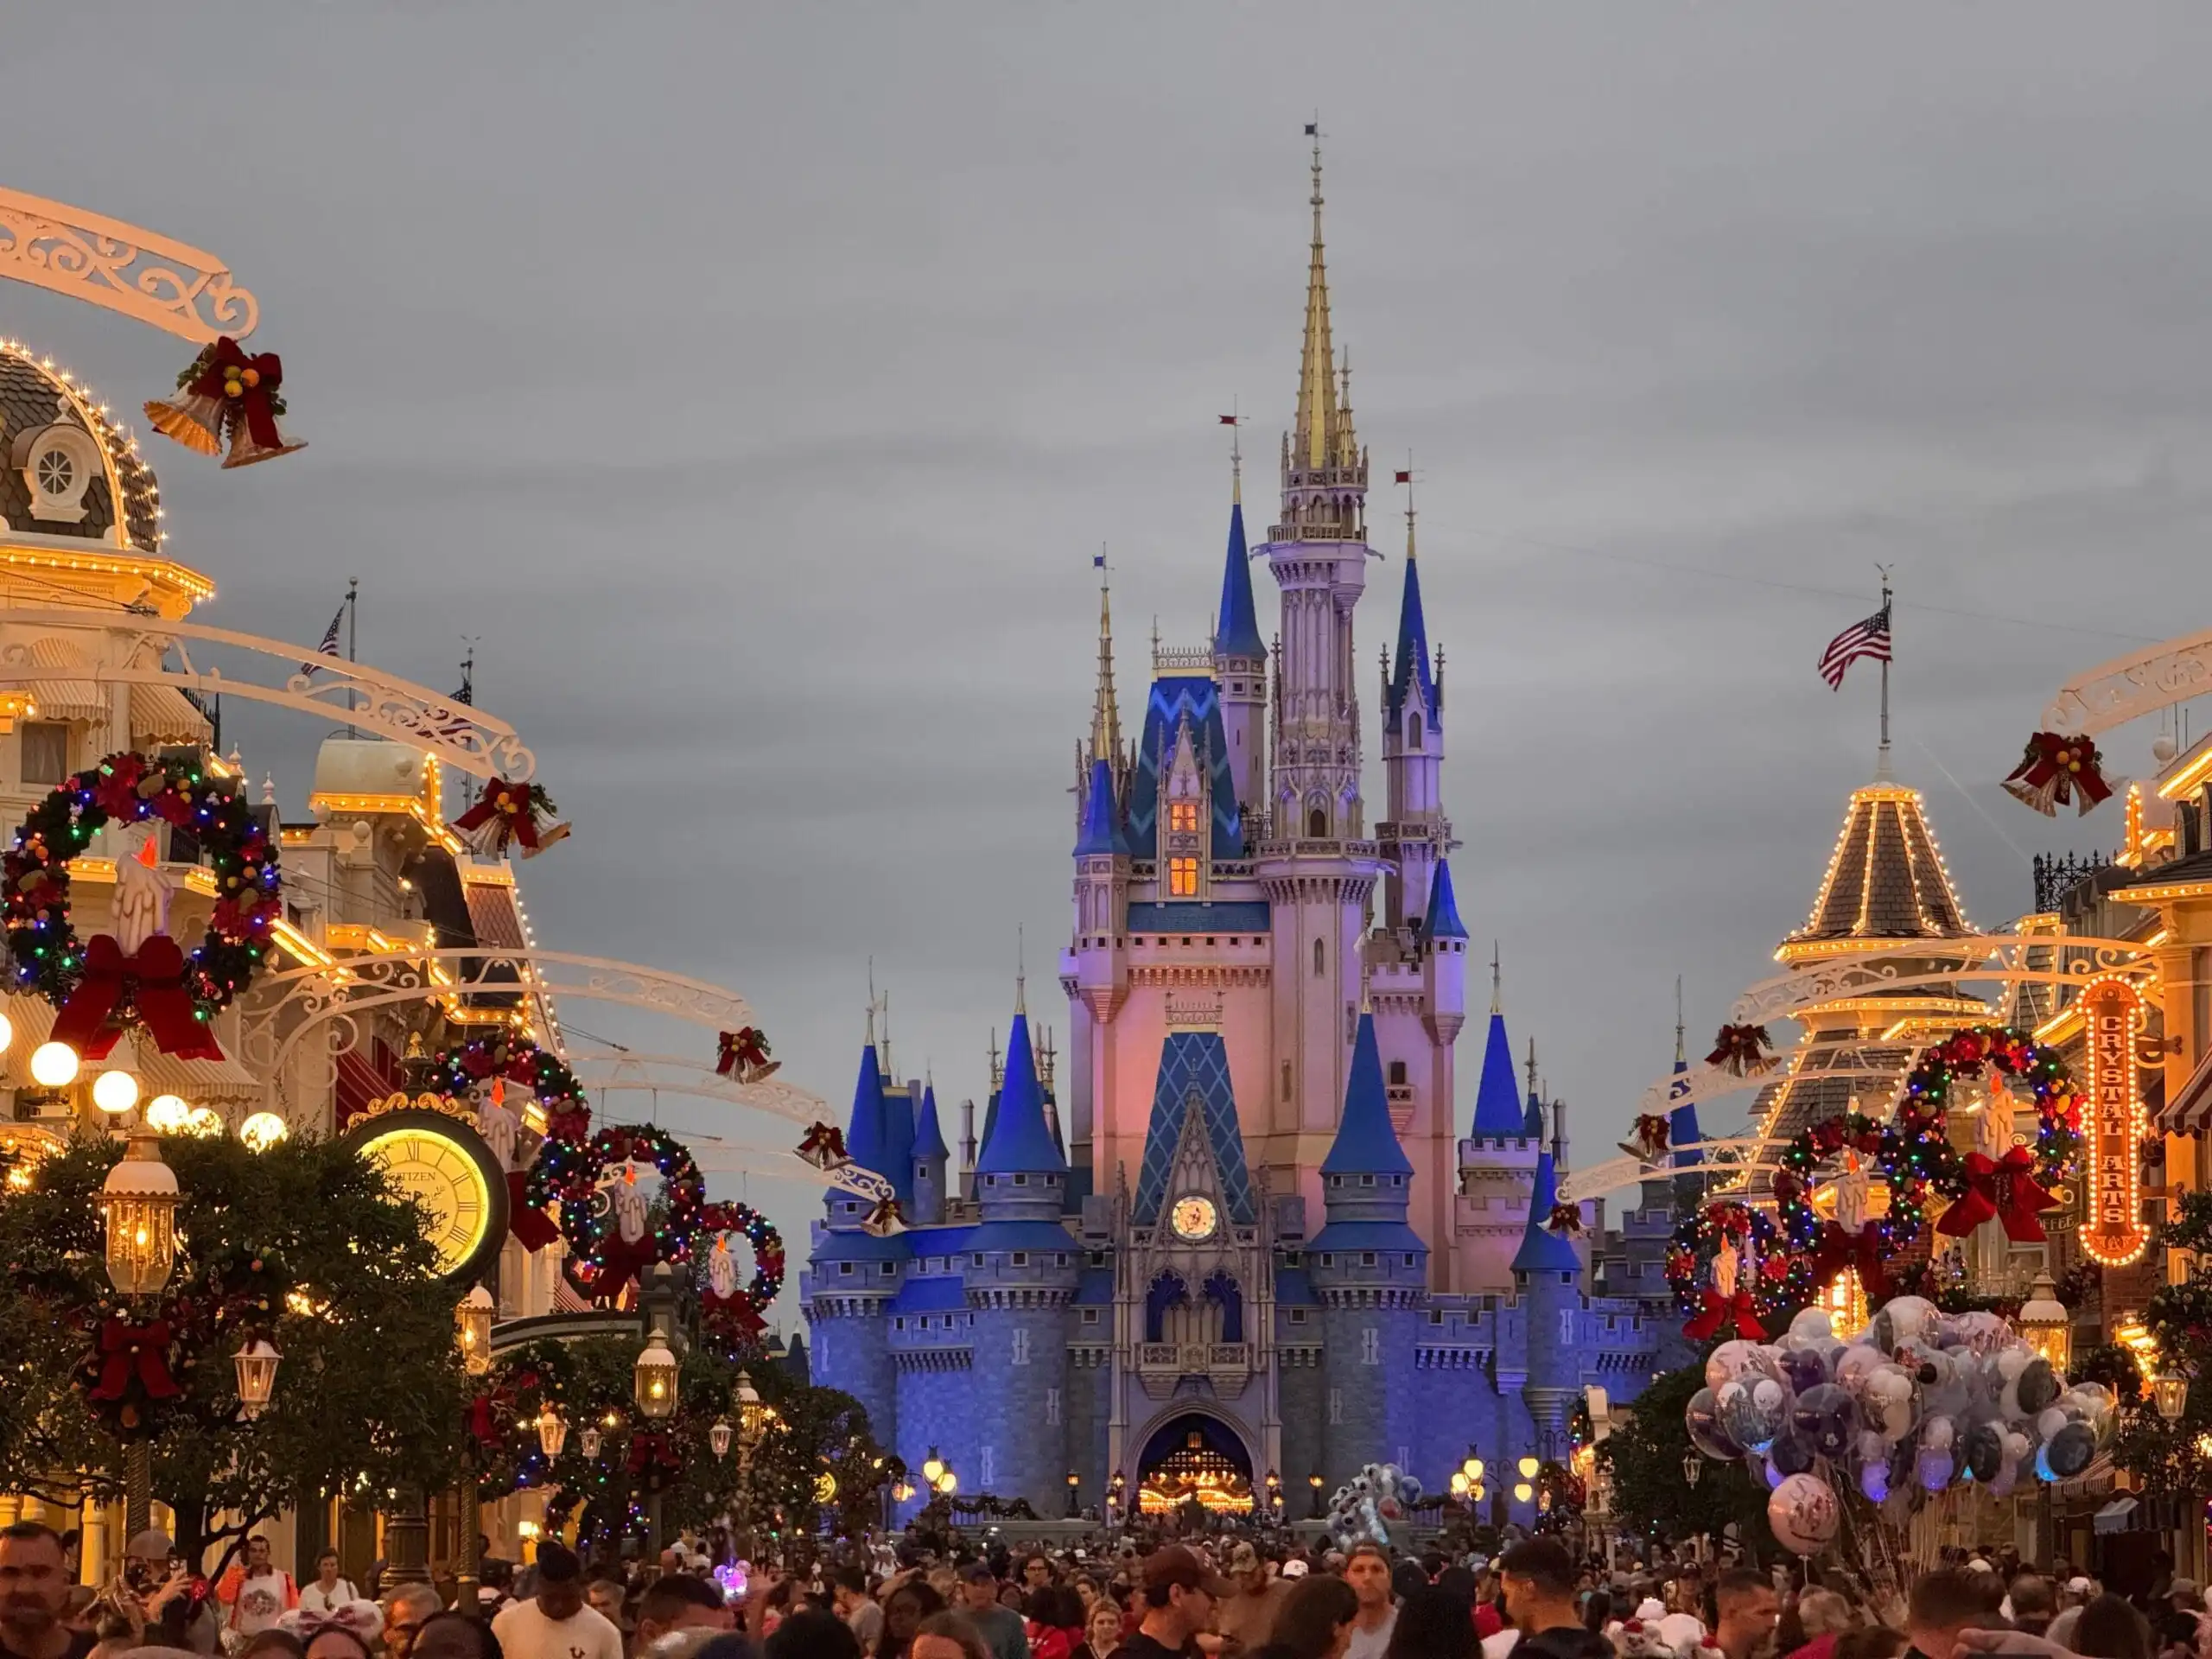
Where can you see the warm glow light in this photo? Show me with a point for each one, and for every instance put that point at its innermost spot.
(1522, 1491)
(653, 1378)
(1529, 1467)
(718, 1438)
(552, 1433)
(256, 1368)
(115, 1091)
(262, 1130)
(947, 1484)
(2113, 1128)
(1460, 1482)
(2044, 1322)
(7, 1032)
(54, 1065)
(139, 1202)
(168, 1114)
(932, 1467)
(205, 1121)
(472, 1330)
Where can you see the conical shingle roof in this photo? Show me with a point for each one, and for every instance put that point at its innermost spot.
(1885, 880)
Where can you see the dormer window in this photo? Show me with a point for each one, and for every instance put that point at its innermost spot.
(58, 464)
(1183, 817)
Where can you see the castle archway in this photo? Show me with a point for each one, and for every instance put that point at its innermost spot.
(1195, 1456)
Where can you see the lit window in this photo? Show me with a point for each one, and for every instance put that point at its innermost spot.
(1183, 816)
(1182, 878)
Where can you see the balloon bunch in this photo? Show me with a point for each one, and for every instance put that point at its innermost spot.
(1364, 1506)
(1918, 1401)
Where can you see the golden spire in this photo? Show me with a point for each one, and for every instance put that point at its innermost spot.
(1314, 444)
(1105, 716)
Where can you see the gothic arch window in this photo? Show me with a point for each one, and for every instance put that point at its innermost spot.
(1222, 1291)
(1317, 823)
(1168, 1291)
(1398, 1072)
(1182, 878)
(1183, 816)
(1413, 732)
(1320, 958)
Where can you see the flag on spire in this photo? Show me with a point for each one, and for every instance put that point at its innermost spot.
(1869, 640)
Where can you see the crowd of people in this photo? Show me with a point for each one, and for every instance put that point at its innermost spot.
(1229, 1598)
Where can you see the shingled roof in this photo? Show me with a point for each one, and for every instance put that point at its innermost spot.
(1885, 879)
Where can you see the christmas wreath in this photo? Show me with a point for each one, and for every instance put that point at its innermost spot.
(101, 988)
(510, 1056)
(610, 1239)
(1771, 1277)
(2012, 1189)
(733, 1320)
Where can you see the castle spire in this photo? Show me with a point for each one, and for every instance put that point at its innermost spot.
(1497, 982)
(1411, 672)
(1314, 442)
(1105, 714)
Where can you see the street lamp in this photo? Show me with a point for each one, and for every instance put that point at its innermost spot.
(472, 1330)
(1315, 1481)
(1275, 1492)
(552, 1431)
(54, 1065)
(262, 1131)
(2045, 1324)
(1522, 1491)
(2170, 1390)
(1529, 1467)
(1074, 1486)
(1460, 1484)
(718, 1438)
(138, 1201)
(932, 1469)
(754, 1418)
(653, 1380)
(115, 1091)
(1471, 1467)
(947, 1484)
(167, 1113)
(1692, 1466)
(256, 1366)
(589, 1442)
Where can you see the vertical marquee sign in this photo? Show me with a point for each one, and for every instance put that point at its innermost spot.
(2112, 1232)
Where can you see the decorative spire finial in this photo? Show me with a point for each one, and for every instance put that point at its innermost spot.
(1314, 442)
(1406, 478)
(1020, 972)
(1235, 419)
(1497, 989)
(1105, 712)
(871, 1001)
(1679, 1053)
(1532, 1067)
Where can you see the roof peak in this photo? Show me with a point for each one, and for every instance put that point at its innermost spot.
(1105, 712)
(1020, 1141)
(1323, 435)
(1887, 880)
(1367, 1142)
(1237, 631)
(1541, 1250)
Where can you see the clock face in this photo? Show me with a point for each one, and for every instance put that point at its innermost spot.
(1192, 1219)
(441, 1165)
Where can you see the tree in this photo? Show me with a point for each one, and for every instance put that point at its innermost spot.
(1651, 1497)
(2169, 1457)
(305, 1243)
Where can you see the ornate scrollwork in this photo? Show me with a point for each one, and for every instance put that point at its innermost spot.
(106, 262)
(2115, 692)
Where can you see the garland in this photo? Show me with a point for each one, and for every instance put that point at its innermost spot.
(732, 1324)
(607, 1260)
(99, 989)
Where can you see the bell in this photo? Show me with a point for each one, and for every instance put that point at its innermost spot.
(245, 450)
(884, 1220)
(194, 420)
(547, 836)
(758, 1070)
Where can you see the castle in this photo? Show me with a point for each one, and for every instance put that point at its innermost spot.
(1258, 1251)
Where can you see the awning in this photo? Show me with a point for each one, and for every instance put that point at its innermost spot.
(2115, 1516)
(60, 697)
(161, 714)
(201, 1082)
(2192, 1111)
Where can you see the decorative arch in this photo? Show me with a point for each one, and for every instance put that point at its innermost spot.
(118, 267)
(1167, 1291)
(1224, 1292)
(1223, 1447)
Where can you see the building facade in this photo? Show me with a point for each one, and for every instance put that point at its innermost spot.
(1261, 1241)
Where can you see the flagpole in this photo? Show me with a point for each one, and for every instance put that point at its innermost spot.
(1882, 760)
(352, 637)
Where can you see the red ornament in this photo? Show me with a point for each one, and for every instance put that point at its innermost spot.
(744, 1054)
(1742, 1051)
(509, 812)
(2053, 768)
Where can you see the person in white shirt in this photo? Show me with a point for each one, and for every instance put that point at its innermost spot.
(328, 1593)
(556, 1625)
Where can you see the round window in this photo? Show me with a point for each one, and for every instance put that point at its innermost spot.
(57, 473)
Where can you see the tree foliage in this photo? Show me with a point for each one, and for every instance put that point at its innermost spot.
(369, 1393)
(1651, 1497)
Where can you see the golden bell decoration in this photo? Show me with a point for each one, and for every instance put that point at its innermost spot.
(245, 450)
(193, 419)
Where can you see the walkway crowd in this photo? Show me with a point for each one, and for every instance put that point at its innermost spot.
(1228, 1599)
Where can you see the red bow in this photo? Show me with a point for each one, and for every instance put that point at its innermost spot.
(2053, 768)
(1651, 1133)
(1741, 1050)
(825, 1147)
(509, 811)
(117, 792)
(532, 1228)
(652, 1452)
(1836, 1250)
(1566, 1219)
(139, 1352)
(620, 1261)
(1720, 1311)
(226, 363)
(483, 1418)
(153, 983)
(747, 1048)
(2000, 1189)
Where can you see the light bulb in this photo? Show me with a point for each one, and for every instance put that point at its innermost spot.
(167, 1113)
(203, 1121)
(115, 1091)
(1523, 1492)
(262, 1130)
(54, 1064)
(6, 1034)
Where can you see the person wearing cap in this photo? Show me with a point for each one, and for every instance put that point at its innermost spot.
(1180, 1594)
(1246, 1614)
(1367, 1569)
(175, 1604)
(1002, 1627)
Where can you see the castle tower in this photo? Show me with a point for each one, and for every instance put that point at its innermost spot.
(1020, 1297)
(1415, 833)
(1316, 868)
(1370, 1271)
(1887, 898)
(1240, 666)
(931, 1164)
(1498, 1165)
(1548, 1271)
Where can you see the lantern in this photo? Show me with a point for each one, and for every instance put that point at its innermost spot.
(653, 1380)
(552, 1432)
(589, 1442)
(1074, 1486)
(472, 1329)
(932, 1468)
(753, 1418)
(947, 1484)
(2170, 1390)
(167, 1113)
(1692, 1466)
(1460, 1484)
(256, 1366)
(54, 1065)
(115, 1091)
(718, 1438)
(1527, 1467)
(139, 1200)
(1274, 1490)
(2044, 1322)
(1522, 1492)
(1473, 1467)
(261, 1131)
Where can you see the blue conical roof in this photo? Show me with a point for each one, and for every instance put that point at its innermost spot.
(1532, 1120)
(1020, 1142)
(1411, 661)
(928, 1139)
(1683, 1134)
(1498, 1100)
(1366, 1144)
(1443, 919)
(1541, 1250)
(1237, 631)
(864, 1139)
(1101, 815)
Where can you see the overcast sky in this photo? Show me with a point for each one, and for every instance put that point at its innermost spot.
(758, 381)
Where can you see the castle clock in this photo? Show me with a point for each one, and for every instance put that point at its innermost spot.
(1192, 1219)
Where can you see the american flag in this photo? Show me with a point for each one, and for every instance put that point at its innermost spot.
(329, 646)
(464, 698)
(1870, 639)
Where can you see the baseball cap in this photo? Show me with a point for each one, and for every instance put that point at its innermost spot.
(1172, 1564)
(1245, 1559)
(151, 1545)
(1295, 1568)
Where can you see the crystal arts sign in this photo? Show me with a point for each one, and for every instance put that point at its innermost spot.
(2113, 1233)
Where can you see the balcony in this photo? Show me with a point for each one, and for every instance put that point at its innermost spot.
(1162, 1366)
(1402, 1106)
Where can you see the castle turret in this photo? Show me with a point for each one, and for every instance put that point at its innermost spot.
(1240, 665)
(1548, 1271)
(1414, 834)
(1020, 1295)
(931, 1162)
(1370, 1270)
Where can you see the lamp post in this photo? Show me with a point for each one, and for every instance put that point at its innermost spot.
(1315, 1481)
(1074, 1486)
(754, 1418)
(138, 1205)
(471, 1338)
(652, 1385)
(2044, 1322)
(1275, 1495)
(257, 1368)
(472, 1330)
